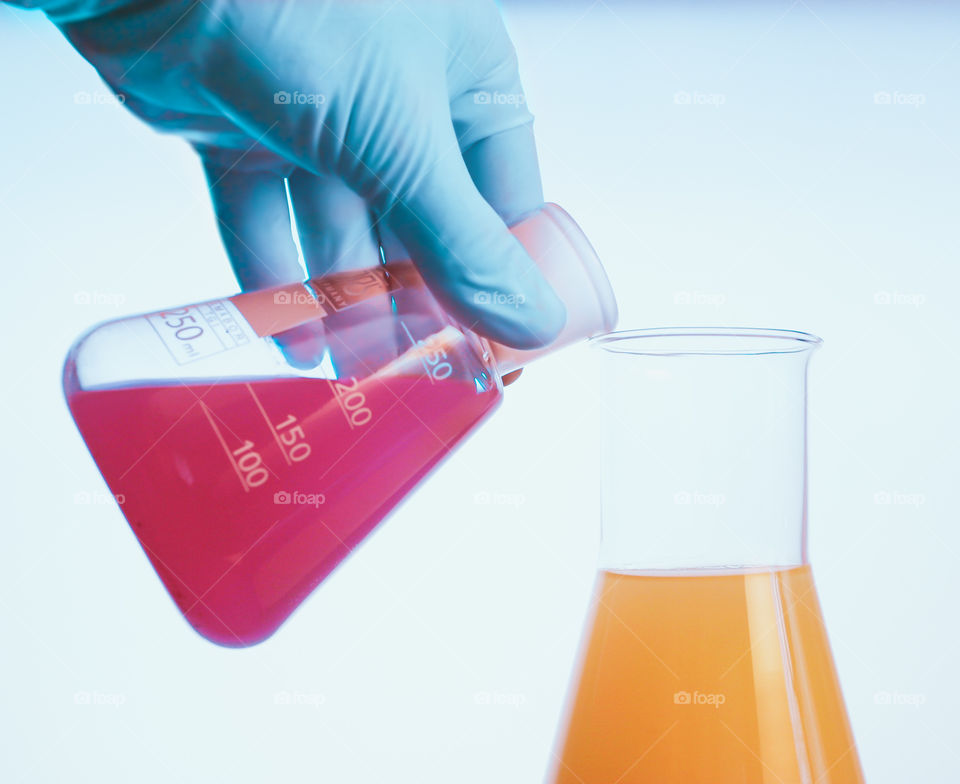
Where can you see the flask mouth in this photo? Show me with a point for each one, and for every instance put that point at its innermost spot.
(571, 266)
(698, 341)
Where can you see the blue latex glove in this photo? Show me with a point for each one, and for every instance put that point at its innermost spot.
(401, 124)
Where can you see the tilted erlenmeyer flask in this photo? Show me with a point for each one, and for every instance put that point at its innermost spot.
(705, 658)
(249, 467)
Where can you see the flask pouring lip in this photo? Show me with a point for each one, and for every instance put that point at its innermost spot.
(709, 341)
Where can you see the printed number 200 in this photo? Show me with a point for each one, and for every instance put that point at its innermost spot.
(353, 402)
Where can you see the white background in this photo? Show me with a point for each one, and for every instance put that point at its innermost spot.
(781, 195)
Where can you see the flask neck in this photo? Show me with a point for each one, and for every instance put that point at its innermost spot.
(704, 449)
(549, 235)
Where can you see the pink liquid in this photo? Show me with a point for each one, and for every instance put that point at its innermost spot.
(245, 496)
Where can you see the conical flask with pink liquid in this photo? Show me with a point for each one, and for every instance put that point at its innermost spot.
(249, 468)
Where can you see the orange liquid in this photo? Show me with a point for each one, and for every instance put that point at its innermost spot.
(714, 678)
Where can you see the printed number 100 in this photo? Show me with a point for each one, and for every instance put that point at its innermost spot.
(250, 465)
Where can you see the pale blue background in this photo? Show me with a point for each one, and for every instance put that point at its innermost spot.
(792, 200)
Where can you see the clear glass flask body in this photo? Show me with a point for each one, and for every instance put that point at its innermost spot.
(705, 657)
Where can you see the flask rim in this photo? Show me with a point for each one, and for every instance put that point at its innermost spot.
(705, 341)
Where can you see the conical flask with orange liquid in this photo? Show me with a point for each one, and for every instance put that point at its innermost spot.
(705, 658)
(254, 441)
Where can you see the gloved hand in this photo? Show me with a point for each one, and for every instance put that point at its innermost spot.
(401, 124)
